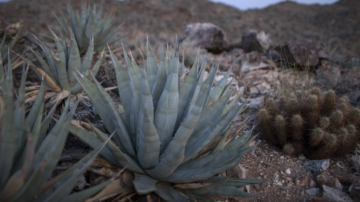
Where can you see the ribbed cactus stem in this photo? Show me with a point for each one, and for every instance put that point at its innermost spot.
(312, 102)
(293, 107)
(282, 102)
(330, 140)
(355, 116)
(280, 126)
(270, 106)
(351, 129)
(329, 102)
(316, 91)
(324, 122)
(288, 149)
(316, 136)
(343, 136)
(265, 125)
(344, 99)
(336, 119)
(297, 124)
(344, 108)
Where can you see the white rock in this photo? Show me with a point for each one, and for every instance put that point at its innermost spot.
(288, 171)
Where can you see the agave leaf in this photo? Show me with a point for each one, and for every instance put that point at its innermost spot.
(135, 96)
(232, 103)
(7, 147)
(242, 182)
(60, 48)
(166, 112)
(49, 58)
(150, 65)
(122, 135)
(87, 193)
(74, 62)
(16, 181)
(44, 66)
(123, 85)
(30, 119)
(218, 89)
(63, 75)
(211, 113)
(144, 184)
(185, 89)
(95, 69)
(66, 183)
(197, 142)
(148, 143)
(168, 193)
(123, 158)
(87, 60)
(227, 87)
(161, 78)
(229, 191)
(195, 90)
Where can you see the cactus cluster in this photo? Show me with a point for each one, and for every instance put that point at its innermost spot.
(317, 124)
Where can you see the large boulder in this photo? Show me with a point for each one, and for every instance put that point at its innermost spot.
(205, 35)
(303, 53)
(253, 40)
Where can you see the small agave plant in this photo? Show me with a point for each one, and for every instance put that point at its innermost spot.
(89, 24)
(28, 156)
(173, 135)
(59, 69)
(4, 49)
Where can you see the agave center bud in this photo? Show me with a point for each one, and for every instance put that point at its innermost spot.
(288, 149)
(316, 136)
(324, 122)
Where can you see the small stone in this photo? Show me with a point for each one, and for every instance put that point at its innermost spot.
(335, 195)
(281, 157)
(288, 171)
(313, 191)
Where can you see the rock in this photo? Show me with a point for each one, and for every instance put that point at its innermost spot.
(252, 61)
(313, 191)
(316, 199)
(303, 53)
(354, 190)
(317, 166)
(335, 195)
(329, 73)
(328, 180)
(288, 171)
(205, 35)
(253, 40)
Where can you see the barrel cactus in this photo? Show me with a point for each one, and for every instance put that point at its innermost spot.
(173, 132)
(320, 125)
(89, 24)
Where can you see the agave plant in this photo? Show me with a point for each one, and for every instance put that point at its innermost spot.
(172, 134)
(4, 49)
(59, 70)
(28, 156)
(89, 24)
